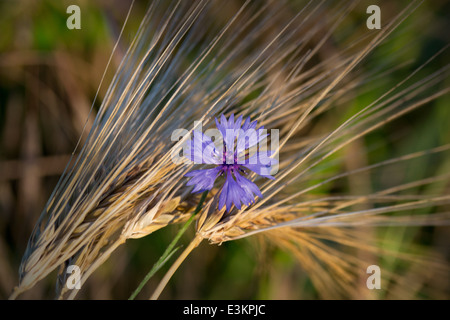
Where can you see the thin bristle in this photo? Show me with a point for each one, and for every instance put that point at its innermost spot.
(187, 64)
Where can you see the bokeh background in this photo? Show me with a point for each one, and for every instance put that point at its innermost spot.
(49, 76)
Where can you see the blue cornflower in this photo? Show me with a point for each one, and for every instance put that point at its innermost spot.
(231, 161)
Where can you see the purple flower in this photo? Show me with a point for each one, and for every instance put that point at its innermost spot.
(231, 161)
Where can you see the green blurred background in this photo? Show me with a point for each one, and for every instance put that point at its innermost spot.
(49, 76)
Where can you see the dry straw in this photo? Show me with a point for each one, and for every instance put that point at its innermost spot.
(191, 61)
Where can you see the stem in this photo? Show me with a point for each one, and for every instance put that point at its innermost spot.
(194, 243)
(169, 250)
(16, 292)
(105, 255)
(162, 260)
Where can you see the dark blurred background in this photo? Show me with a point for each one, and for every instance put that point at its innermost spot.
(49, 76)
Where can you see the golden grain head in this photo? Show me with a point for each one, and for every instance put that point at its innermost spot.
(266, 61)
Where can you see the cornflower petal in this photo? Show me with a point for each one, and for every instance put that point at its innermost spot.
(203, 179)
(230, 124)
(231, 194)
(237, 124)
(200, 149)
(237, 140)
(246, 124)
(261, 164)
(249, 188)
(219, 126)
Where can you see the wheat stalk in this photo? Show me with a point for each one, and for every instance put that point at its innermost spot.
(255, 62)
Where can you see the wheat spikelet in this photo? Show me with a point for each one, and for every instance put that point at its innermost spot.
(188, 63)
